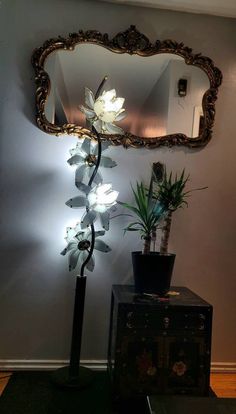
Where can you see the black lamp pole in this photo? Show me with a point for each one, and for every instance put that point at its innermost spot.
(74, 375)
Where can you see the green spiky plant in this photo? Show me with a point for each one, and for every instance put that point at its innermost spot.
(156, 204)
(147, 211)
(172, 195)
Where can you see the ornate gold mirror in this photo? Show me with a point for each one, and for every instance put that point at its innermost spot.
(170, 92)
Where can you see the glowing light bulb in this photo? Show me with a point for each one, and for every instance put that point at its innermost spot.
(102, 197)
(107, 107)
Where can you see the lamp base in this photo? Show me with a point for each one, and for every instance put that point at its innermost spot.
(62, 378)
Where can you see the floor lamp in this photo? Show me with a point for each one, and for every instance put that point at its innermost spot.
(100, 111)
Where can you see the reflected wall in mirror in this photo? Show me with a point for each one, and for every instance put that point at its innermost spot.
(146, 74)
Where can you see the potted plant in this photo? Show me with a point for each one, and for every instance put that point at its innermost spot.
(149, 276)
(153, 209)
(172, 195)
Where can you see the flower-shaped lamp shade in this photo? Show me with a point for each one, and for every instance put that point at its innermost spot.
(84, 156)
(107, 107)
(104, 111)
(78, 245)
(98, 201)
(102, 197)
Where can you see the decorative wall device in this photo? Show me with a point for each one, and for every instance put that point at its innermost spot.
(182, 87)
(148, 74)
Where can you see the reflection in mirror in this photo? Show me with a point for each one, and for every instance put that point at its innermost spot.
(170, 91)
(150, 87)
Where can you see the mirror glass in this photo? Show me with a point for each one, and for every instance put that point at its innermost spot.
(169, 91)
(163, 95)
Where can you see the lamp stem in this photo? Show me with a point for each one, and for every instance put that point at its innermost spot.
(74, 367)
(100, 87)
(77, 327)
(90, 251)
(90, 184)
(98, 156)
(80, 289)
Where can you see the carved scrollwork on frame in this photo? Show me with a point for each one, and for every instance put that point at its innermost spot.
(132, 42)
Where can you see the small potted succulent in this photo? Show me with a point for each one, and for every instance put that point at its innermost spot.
(153, 208)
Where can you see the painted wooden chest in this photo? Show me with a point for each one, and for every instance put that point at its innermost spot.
(159, 346)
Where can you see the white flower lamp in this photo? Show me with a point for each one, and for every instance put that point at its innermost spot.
(101, 112)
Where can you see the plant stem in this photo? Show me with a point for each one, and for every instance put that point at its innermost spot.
(153, 239)
(147, 245)
(166, 234)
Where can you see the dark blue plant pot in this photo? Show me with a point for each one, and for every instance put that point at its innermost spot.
(152, 272)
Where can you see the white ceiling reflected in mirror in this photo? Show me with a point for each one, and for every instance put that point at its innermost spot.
(153, 102)
(169, 92)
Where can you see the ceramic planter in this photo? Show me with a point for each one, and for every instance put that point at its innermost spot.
(152, 272)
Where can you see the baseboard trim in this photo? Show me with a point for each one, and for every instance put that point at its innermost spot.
(46, 364)
(223, 367)
(96, 364)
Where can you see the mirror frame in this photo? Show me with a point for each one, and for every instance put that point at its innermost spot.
(133, 42)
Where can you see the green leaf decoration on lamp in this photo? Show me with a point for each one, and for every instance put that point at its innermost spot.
(88, 218)
(76, 202)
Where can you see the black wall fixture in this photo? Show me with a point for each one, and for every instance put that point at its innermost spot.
(182, 87)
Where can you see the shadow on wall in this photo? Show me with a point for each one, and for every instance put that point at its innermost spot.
(30, 227)
(28, 194)
(31, 300)
(18, 258)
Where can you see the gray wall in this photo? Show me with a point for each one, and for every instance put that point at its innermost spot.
(160, 100)
(36, 290)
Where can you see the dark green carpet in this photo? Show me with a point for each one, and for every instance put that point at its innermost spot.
(34, 393)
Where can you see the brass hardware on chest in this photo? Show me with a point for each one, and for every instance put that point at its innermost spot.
(129, 323)
(166, 322)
